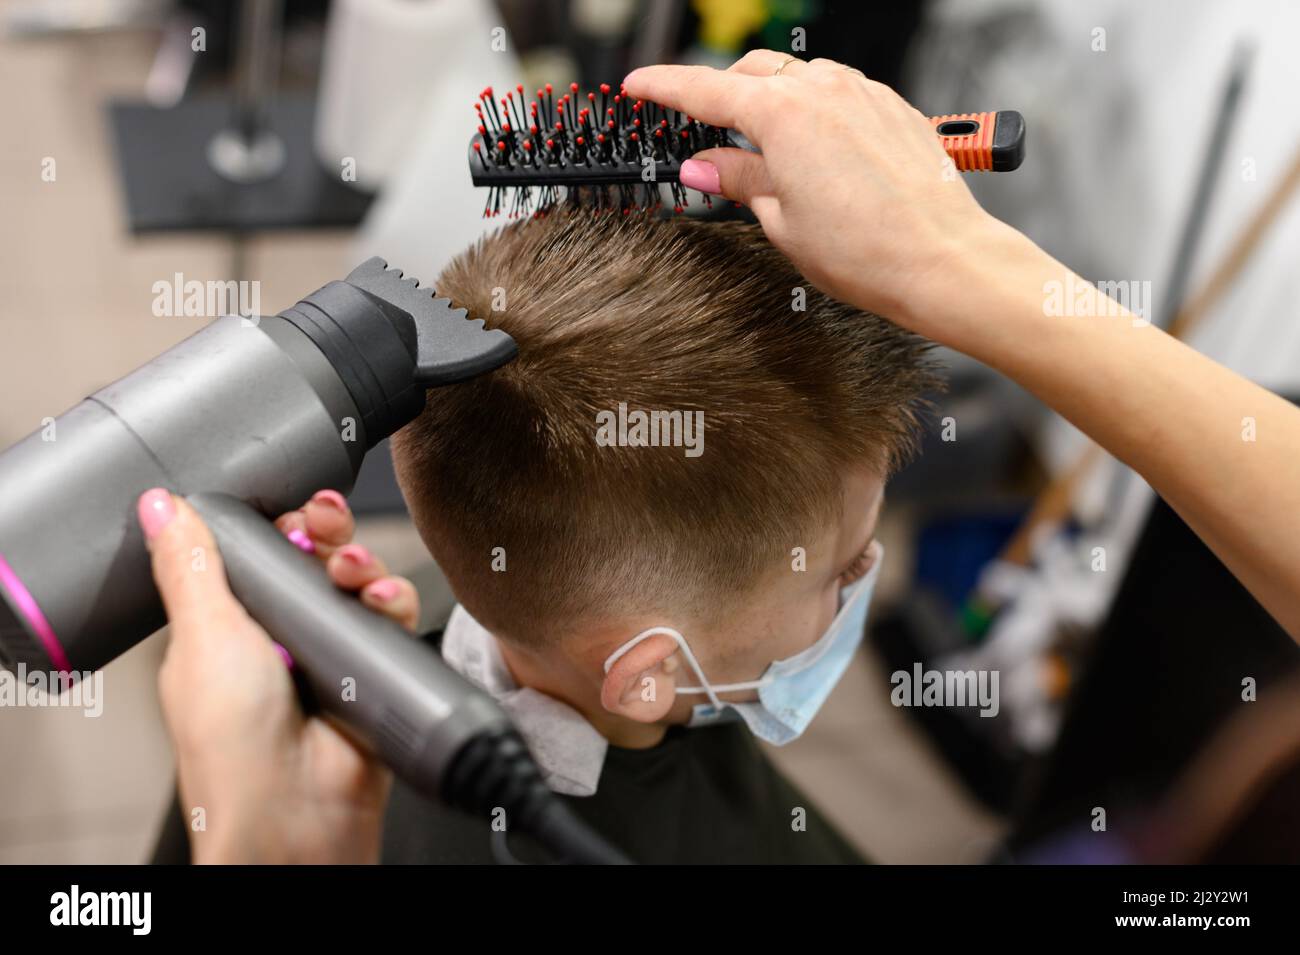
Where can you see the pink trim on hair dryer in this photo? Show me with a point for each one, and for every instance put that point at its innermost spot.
(31, 611)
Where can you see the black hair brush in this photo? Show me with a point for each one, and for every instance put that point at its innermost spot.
(613, 152)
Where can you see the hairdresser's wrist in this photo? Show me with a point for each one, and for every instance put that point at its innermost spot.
(256, 836)
(256, 846)
(231, 836)
(227, 846)
(984, 294)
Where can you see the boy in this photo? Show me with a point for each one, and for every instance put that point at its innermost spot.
(658, 521)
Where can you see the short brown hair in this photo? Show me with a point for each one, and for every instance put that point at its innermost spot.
(655, 314)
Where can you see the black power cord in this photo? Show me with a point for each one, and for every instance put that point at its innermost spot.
(494, 771)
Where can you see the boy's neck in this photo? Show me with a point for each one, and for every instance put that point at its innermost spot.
(566, 684)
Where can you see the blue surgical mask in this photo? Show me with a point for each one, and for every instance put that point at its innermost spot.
(790, 691)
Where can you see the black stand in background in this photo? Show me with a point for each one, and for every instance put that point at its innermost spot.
(237, 162)
(170, 184)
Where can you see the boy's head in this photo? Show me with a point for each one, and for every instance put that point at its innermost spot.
(691, 436)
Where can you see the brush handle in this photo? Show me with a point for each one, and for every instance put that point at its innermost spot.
(983, 142)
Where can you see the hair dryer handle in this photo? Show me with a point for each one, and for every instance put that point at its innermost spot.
(388, 690)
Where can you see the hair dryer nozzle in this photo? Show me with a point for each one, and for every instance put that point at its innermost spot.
(451, 346)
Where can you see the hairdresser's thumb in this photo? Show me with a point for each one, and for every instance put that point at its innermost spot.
(186, 563)
(737, 174)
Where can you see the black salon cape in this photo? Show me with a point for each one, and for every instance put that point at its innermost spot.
(704, 795)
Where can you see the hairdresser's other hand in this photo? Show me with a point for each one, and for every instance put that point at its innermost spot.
(271, 784)
(852, 183)
(324, 526)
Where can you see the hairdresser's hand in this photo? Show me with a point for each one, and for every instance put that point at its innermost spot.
(273, 785)
(324, 527)
(852, 183)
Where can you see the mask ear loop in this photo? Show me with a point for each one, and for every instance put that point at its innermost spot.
(684, 647)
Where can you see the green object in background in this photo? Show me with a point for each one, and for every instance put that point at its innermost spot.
(725, 25)
(784, 16)
(976, 618)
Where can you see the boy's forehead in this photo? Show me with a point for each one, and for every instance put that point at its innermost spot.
(864, 490)
(864, 496)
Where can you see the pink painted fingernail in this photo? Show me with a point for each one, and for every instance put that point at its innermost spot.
(331, 499)
(302, 541)
(156, 508)
(356, 554)
(285, 655)
(701, 175)
(384, 589)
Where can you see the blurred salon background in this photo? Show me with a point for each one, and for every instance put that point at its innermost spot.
(283, 141)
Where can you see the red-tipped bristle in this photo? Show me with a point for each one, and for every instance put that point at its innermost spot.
(620, 134)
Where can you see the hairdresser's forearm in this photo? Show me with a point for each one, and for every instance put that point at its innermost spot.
(1222, 451)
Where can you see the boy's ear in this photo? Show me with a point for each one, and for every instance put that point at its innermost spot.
(641, 685)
